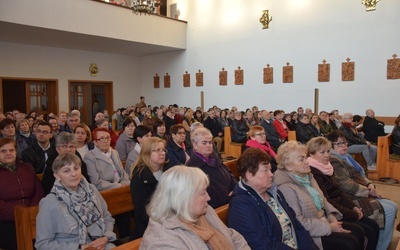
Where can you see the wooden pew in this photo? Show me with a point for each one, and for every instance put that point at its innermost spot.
(232, 165)
(232, 149)
(292, 135)
(40, 176)
(222, 213)
(119, 200)
(386, 167)
(25, 226)
(131, 245)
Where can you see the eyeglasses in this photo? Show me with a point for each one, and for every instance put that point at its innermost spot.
(160, 150)
(67, 146)
(103, 139)
(341, 144)
(42, 132)
(261, 134)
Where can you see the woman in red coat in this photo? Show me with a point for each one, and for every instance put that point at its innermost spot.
(18, 186)
(280, 125)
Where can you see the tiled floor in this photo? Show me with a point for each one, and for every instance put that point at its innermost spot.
(392, 192)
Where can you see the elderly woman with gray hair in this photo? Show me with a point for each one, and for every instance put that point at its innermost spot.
(222, 181)
(180, 217)
(74, 215)
(315, 213)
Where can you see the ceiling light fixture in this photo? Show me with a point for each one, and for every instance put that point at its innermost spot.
(370, 4)
(144, 6)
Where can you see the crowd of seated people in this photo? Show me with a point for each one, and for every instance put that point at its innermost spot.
(187, 137)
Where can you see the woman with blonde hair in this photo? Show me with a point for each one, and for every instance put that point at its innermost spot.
(323, 172)
(188, 120)
(145, 174)
(314, 124)
(180, 217)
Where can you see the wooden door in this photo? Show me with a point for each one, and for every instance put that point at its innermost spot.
(90, 98)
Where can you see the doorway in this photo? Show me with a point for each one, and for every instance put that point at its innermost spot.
(90, 97)
(25, 95)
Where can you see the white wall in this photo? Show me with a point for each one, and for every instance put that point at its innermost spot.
(43, 62)
(227, 33)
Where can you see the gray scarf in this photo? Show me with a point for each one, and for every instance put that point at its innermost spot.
(81, 205)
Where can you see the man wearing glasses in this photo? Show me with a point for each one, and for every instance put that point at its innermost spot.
(42, 150)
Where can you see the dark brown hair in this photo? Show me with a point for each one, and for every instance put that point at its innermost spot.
(250, 161)
(5, 140)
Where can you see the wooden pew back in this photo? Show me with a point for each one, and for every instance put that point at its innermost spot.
(25, 225)
(231, 148)
(386, 167)
(232, 165)
(292, 135)
(119, 200)
(222, 213)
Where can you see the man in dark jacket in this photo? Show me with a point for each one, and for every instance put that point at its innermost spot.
(304, 132)
(42, 150)
(273, 137)
(372, 128)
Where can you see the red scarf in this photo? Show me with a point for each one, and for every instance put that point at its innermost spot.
(266, 147)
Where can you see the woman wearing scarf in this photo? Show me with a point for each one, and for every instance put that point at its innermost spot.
(259, 211)
(322, 170)
(222, 181)
(258, 139)
(74, 215)
(353, 181)
(18, 186)
(315, 213)
(180, 217)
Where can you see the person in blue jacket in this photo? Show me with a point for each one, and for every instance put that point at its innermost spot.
(258, 210)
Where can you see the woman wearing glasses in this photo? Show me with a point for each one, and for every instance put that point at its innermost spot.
(222, 181)
(354, 182)
(258, 139)
(104, 165)
(145, 173)
(179, 150)
(74, 215)
(106, 172)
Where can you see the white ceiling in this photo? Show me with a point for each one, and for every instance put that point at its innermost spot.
(17, 33)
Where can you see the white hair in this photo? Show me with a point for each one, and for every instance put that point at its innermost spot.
(347, 115)
(174, 193)
(198, 134)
